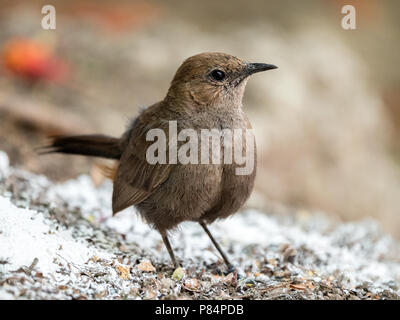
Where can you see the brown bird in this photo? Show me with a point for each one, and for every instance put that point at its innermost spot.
(206, 93)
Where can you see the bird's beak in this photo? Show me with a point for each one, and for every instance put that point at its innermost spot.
(258, 67)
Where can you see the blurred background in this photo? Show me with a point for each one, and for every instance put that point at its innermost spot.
(327, 121)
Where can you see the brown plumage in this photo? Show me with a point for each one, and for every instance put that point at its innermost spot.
(206, 93)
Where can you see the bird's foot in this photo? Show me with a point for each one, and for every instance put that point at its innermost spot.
(232, 269)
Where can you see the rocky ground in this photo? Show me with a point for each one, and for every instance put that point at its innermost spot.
(59, 241)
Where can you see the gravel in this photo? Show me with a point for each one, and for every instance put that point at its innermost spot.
(60, 241)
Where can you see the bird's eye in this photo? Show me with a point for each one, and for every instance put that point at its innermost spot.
(218, 75)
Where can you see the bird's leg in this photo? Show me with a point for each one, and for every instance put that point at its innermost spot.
(231, 268)
(170, 251)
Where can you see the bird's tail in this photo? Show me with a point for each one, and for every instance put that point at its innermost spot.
(89, 145)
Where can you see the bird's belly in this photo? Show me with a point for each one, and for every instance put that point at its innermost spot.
(189, 191)
(235, 190)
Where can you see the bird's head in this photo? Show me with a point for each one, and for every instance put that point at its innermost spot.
(213, 78)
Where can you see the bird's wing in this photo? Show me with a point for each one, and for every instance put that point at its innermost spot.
(136, 179)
